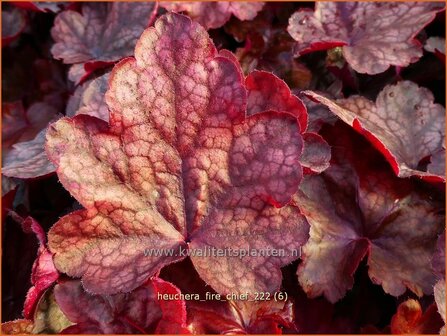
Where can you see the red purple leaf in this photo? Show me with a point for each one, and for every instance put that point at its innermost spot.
(266, 92)
(240, 317)
(316, 153)
(43, 274)
(42, 6)
(20, 126)
(178, 156)
(141, 311)
(438, 260)
(89, 99)
(374, 35)
(100, 35)
(215, 14)
(364, 210)
(13, 23)
(404, 124)
(437, 163)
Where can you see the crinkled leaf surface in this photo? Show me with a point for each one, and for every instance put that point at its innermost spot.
(404, 124)
(89, 99)
(267, 92)
(179, 162)
(102, 32)
(28, 159)
(363, 210)
(215, 14)
(137, 312)
(13, 23)
(374, 35)
(240, 317)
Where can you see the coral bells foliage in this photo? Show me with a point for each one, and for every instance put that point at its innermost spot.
(223, 167)
(374, 35)
(180, 163)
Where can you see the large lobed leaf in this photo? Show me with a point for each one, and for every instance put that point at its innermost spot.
(357, 209)
(374, 35)
(100, 35)
(180, 165)
(404, 124)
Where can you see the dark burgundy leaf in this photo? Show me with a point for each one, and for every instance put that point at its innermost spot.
(357, 209)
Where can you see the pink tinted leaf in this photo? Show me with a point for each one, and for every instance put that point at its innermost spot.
(43, 274)
(137, 312)
(359, 211)
(437, 163)
(404, 124)
(436, 45)
(28, 159)
(438, 260)
(374, 35)
(177, 152)
(20, 126)
(316, 153)
(89, 99)
(319, 114)
(215, 14)
(266, 92)
(80, 72)
(101, 32)
(240, 317)
(13, 23)
(284, 230)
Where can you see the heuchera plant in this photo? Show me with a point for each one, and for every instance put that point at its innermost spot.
(223, 168)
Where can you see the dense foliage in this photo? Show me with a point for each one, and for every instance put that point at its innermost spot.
(223, 167)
